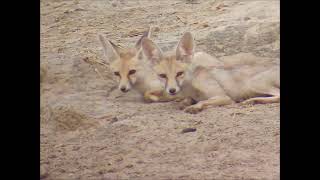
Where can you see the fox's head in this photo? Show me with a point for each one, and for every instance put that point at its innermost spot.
(170, 67)
(124, 62)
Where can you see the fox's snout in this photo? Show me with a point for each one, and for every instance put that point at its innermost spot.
(124, 88)
(172, 85)
(173, 90)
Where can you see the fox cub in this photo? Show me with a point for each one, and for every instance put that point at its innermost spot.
(214, 84)
(128, 65)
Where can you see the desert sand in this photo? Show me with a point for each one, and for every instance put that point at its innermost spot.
(90, 130)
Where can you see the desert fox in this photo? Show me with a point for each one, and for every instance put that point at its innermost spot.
(213, 83)
(127, 64)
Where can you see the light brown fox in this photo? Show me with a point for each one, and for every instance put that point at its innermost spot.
(207, 81)
(128, 65)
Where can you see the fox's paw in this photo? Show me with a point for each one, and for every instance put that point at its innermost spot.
(248, 102)
(194, 109)
(151, 98)
(183, 104)
(179, 99)
(181, 107)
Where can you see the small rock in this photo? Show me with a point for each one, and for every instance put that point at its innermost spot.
(63, 31)
(140, 161)
(102, 171)
(186, 130)
(119, 159)
(79, 9)
(111, 170)
(53, 156)
(237, 113)
(129, 166)
(135, 32)
(60, 50)
(156, 29)
(205, 25)
(192, 2)
(114, 119)
(76, 148)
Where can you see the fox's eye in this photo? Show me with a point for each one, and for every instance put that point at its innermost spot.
(179, 73)
(132, 72)
(116, 73)
(162, 75)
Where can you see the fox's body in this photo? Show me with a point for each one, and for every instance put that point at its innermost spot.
(238, 83)
(133, 73)
(207, 81)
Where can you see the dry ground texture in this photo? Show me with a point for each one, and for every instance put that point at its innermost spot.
(89, 130)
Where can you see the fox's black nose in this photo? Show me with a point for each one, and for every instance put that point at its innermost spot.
(172, 90)
(123, 89)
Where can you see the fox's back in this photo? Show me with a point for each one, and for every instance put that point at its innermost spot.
(238, 81)
(234, 81)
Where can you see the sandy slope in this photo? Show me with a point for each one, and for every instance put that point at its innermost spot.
(91, 131)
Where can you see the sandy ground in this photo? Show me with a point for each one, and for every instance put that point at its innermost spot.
(89, 130)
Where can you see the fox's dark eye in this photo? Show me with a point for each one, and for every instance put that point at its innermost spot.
(116, 73)
(162, 75)
(132, 72)
(179, 73)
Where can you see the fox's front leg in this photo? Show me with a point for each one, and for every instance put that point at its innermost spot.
(214, 101)
(186, 102)
(152, 96)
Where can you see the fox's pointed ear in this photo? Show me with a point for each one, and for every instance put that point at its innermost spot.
(111, 51)
(185, 48)
(145, 34)
(151, 50)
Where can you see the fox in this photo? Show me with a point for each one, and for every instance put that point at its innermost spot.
(206, 81)
(128, 65)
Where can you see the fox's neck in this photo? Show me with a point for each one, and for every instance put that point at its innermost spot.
(187, 83)
(146, 80)
(140, 84)
(190, 73)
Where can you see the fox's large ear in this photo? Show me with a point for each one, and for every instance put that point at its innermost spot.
(111, 51)
(185, 48)
(145, 34)
(151, 50)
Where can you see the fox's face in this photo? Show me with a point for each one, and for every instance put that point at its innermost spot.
(170, 67)
(124, 62)
(125, 68)
(171, 73)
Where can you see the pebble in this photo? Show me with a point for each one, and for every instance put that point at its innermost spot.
(186, 130)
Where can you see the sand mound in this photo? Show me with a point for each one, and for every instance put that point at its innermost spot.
(67, 118)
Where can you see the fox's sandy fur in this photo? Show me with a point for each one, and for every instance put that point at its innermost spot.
(132, 71)
(206, 81)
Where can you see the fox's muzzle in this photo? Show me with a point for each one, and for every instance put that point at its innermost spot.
(124, 89)
(172, 87)
(124, 86)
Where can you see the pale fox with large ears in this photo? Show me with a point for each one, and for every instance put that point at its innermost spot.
(182, 71)
(128, 64)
